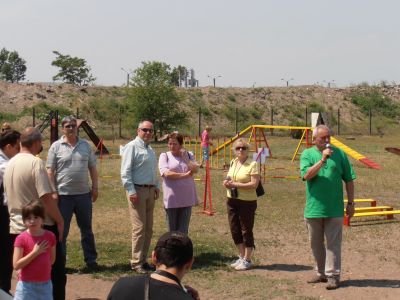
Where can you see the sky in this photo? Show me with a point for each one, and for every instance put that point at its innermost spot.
(241, 43)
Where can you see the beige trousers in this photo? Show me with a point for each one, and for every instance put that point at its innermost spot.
(141, 214)
(327, 257)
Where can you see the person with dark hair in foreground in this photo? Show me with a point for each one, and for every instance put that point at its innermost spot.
(9, 147)
(173, 257)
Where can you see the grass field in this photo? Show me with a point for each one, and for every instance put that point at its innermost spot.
(282, 256)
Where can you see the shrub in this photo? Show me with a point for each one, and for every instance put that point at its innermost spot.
(376, 101)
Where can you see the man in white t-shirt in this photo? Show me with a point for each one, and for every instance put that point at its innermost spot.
(25, 180)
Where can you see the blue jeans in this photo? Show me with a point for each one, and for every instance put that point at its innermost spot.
(81, 205)
(34, 290)
(206, 153)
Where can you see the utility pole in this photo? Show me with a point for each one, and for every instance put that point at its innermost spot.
(214, 78)
(287, 81)
(127, 76)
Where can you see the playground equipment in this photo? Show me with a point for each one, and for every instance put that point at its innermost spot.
(393, 150)
(370, 211)
(207, 192)
(354, 154)
(52, 120)
(257, 138)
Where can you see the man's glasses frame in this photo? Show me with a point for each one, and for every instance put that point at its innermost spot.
(244, 148)
(70, 126)
(147, 130)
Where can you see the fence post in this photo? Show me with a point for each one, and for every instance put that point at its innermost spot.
(236, 120)
(33, 117)
(306, 116)
(370, 122)
(272, 121)
(199, 121)
(338, 121)
(77, 117)
(120, 122)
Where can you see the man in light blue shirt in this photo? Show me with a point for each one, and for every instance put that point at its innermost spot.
(139, 178)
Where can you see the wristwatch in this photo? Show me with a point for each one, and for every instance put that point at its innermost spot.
(350, 203)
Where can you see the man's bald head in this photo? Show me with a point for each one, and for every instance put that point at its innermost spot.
(30, 136)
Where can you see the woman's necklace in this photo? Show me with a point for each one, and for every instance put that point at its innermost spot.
(234, 170)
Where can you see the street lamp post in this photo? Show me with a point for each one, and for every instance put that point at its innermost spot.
(214, 78)
(287, 81)
(329, 82)
(127, 76)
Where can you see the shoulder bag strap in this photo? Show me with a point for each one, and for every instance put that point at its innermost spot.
(146, 287)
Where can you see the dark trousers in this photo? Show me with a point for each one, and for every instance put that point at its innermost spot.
(6, 249)
(58, 274)
(178, 218)
(241, 221)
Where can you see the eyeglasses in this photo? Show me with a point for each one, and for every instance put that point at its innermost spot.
(71, 126)
(241, 148)
(147, 130)
(325, 137)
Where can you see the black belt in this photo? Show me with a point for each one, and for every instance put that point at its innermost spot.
(145, 185)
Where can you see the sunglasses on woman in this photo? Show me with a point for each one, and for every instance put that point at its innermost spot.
(241, 148)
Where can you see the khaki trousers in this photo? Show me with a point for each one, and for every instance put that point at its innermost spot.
(141, 214)
(327, 258)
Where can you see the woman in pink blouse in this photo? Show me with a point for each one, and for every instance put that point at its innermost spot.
(177, 167)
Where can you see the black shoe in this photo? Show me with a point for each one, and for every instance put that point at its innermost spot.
(333, 283)
(93, 266)
(149, 267)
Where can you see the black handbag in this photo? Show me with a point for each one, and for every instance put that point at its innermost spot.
(260, 189)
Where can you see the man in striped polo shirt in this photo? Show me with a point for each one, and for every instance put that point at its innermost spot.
(69, 161)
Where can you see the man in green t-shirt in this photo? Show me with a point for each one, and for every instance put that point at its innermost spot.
(324, 167)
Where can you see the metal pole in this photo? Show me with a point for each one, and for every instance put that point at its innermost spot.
(272, 120)
(120, 122)
(306, 116)
(199, 121)
(127, 79)
(214, 81)
(272, 116)
(338, 121)
(77, 117)
(33, 117)
(236, 120)
(370, 122)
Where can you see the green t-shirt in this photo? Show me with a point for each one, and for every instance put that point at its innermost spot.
(324, 192)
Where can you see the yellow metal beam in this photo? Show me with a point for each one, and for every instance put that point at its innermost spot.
(298, 145)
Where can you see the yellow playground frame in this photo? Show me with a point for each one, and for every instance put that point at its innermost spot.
(258, 138)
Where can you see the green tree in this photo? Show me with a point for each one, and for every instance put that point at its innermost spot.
(178, 75)
(12, 67)
(73, 70)
(153, 97)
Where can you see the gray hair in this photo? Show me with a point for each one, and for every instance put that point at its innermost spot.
(29, 136)
(141, 123)
(318, 128)
(68, 119)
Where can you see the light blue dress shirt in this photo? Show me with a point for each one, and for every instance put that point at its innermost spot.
(138, 166)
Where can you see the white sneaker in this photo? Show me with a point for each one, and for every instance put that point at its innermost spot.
(236, 262)
(244, 265)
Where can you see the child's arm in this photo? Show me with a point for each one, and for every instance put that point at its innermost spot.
(20, 261)
(53, 254)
